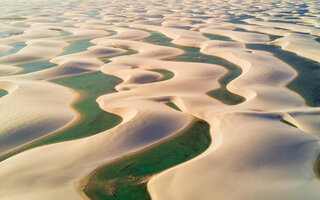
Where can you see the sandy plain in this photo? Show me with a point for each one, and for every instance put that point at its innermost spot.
(253, 154)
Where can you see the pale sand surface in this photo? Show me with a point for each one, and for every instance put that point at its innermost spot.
(252, 156)
(302, 45)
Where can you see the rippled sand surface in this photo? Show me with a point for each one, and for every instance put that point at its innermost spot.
(85, 83)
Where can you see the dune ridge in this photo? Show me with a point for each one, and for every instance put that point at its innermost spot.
(265, 147)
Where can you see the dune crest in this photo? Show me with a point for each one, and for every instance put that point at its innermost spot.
(161, 65)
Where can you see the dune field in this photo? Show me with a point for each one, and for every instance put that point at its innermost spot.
(160, 99)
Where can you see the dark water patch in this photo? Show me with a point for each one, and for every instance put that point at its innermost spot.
(111, 33)
(174, 106)
(307, 83)
(9, 34)
(183, 27)
(193, 54)
(165, 73)
(283, 21)
(286, 12)
(17, 46)
(241, 30)
(217, 37)
(272, 37)
(106, 59)
(113, 21)
(306, 25)
(22, 25)
(35, 66)
(226, 97)
(280, 15)
(62, 32)
(289, 17)
(195, 12)
(288, 123)
(155, 16)
(126, 178)
(65, 33)
(196, 22)
(280, 28)
(3, 93)
(140, 11)
(202, 17)
(78, 46)
(70, 26)
(302, 11)
(244, 16)
(238, 21)
(291, 31)
(93, 119)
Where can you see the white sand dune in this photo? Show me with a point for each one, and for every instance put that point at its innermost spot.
(36, 50)
(302, 45)
(253, 154)
(142, 117)
(37, 108)
(239, 36)
(32, 110)
(292, 27)
(8, 70)
(276, 164)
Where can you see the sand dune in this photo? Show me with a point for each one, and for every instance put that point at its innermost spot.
(28, 117)
(262, 148)
(300, 44)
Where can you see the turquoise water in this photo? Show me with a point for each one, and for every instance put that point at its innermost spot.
(3, 93)
(166, 74)
(127, 53)
(17, 46)
(93, 119)
(127, 177)
(174, 106)
(22, 26)
(81, 45)
(8, 34)
(272, 37)
(36, 66)
(217, 37)
(70, 26)
(62, 32)
(65, 33)
(78, 46)
(307, 83)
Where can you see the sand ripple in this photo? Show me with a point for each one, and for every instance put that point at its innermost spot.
(262, 148)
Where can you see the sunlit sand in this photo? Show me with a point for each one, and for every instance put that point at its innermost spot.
(229, 89)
